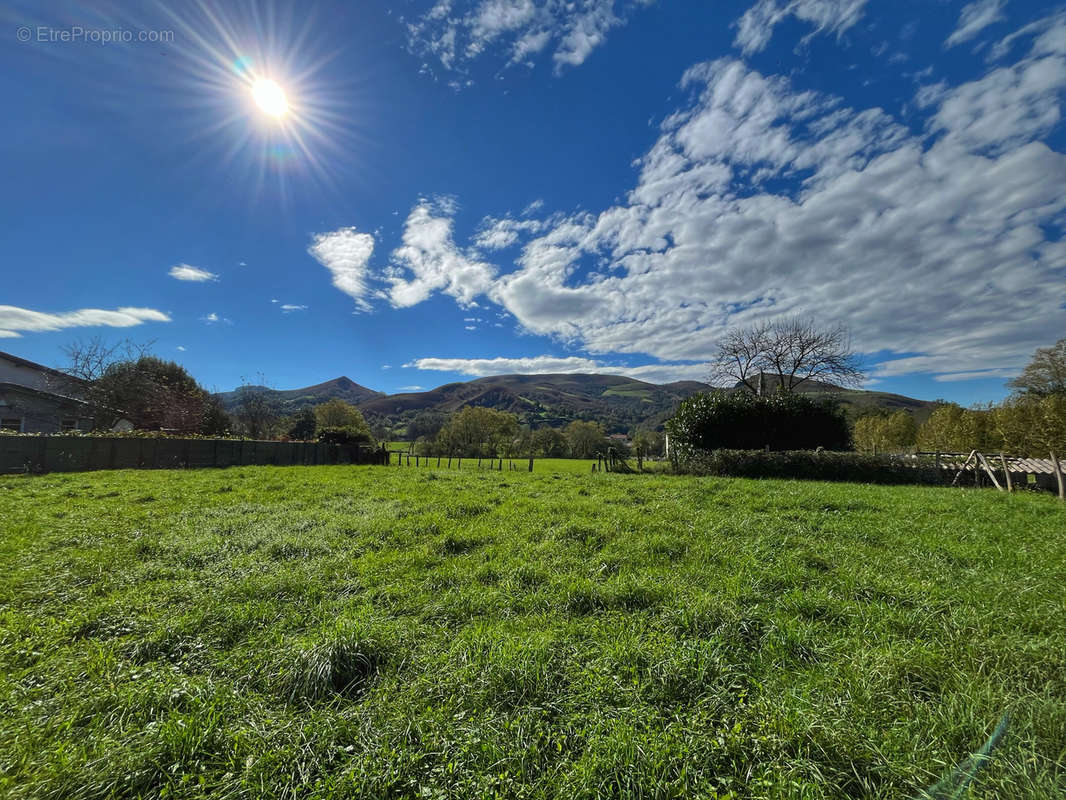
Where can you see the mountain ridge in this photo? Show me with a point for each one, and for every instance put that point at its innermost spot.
(553, 400)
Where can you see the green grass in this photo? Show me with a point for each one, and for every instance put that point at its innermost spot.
(314, 632)
(547, 466)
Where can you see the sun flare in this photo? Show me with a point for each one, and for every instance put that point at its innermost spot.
(270, 97)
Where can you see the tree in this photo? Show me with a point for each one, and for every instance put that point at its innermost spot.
(885, 433)
(217, 421)
(151, 393)
(1045, 374)
(1031, 425)
(340, 422)
(478, 432)
(426, 424)
(257, 413)
(788, 352)
(336, 413)
(951, 428)
(587, 439)
(549, 443)
(89, 359)
(302, 425)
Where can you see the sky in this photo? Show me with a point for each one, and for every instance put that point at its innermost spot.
(456, 190)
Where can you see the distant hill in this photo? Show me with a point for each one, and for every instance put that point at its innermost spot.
(292, 400)
(618, 402)
(544, 400)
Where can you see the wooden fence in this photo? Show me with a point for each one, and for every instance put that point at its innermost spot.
(84, 453)
(995, 469)
(409, 459)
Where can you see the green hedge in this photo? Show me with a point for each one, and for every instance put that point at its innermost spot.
(743, 421)
(806, 464)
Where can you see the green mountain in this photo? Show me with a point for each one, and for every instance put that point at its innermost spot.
(618, 402)
(288, 401)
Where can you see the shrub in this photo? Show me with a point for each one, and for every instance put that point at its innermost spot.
(808, 465)
(744, 421)
(344, 435)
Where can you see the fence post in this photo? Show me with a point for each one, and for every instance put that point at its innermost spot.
(1058, 476)
(1010, 484)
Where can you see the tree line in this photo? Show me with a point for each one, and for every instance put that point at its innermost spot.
(1030, 422)
(478, 432)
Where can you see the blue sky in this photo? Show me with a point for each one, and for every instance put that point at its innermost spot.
(465, 189)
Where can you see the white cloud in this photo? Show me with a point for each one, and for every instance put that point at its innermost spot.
(411, 388)
(516, 31)
(345, 253)
(1007, 107)
(974, 18)
(975, 375)
(499, 234)
(288, 308)
(1049, 37)
(759, 200)
(185, 272)
(429, 261)
(15, 321)
(209, 318)
(756, 26)
(552, 365)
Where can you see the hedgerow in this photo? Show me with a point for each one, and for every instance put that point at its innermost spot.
(805, 464)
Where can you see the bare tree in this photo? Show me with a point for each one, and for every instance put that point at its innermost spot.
(88, 359)
(789, 352)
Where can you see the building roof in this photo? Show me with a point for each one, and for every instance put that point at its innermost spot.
(18, 387)
(24, 362)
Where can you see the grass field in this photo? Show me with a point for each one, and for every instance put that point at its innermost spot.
(314, 632)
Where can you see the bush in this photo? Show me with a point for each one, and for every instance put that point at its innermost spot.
(344, 435)
(808, 465)
(743, 421)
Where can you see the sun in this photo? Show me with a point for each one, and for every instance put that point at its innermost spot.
(270, 97)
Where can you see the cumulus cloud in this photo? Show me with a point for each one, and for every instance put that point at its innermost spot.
(429, 260)
(974, 18)
(551, 365)
(345, 253)
(288, 308)
(186, 272)
(756, 27)
(945, 245)
(15, 321)
(516, 31)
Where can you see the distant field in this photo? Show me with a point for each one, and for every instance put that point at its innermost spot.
(343, 632)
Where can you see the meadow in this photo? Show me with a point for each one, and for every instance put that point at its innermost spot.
(363, 632)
